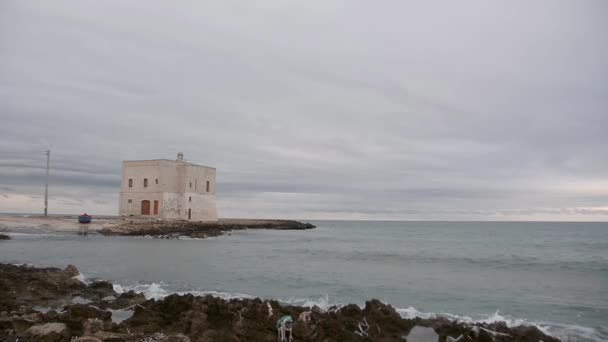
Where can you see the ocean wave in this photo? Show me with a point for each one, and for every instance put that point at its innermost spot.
(565, 332)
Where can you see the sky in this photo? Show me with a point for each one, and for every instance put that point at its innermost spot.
(379, 110)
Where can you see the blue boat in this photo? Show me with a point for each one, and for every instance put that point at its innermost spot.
(85, 218)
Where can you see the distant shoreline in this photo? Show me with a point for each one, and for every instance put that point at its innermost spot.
(36, 215)
(138, 226)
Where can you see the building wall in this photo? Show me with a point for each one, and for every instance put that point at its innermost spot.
(181, 187)
(134, 208)
(202, 206)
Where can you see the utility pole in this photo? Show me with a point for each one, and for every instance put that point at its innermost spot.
(46, 186)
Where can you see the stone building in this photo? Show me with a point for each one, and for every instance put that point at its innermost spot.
(168, 189)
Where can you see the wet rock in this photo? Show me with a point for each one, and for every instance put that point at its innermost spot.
(530, 333)
(4, 237)
(49, 332)
(76, 315)
(127, 299)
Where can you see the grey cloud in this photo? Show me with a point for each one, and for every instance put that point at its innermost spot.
(393, 110)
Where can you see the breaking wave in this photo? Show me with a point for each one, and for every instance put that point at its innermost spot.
(565, 332)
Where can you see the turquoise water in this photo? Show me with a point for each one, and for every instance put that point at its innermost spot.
(554, 275)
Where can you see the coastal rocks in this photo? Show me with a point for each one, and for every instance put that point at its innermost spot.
(38, 304)
(4, 237)
(49, 332)
(167, 229)
(75, 316)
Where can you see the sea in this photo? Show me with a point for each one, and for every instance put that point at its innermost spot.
(553, 275)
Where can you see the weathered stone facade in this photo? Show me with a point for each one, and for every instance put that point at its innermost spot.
(168, 189)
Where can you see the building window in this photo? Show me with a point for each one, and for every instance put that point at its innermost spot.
(130, 201)
(190, 184)
(190, 199)
(207, 186)
(130, 183)
(156, 180)
(145, 182)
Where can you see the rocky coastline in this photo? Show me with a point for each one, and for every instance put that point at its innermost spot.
(138, 226)
(193, 229)
(51, 304)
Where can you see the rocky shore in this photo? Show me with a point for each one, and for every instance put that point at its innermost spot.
(168, 229)
(138, 226)
(50, 304)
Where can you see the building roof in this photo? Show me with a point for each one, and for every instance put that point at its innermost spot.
(166, 160)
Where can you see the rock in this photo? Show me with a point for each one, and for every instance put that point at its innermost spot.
(49, 332)
(71, 270)
(113, 337)
(529, 334)
(93, 325)
(4, 237)
(87, 339)
(127, 299)
(485, 336)
(77, 315)
(175, 338)
(24, 322)
(102, 285)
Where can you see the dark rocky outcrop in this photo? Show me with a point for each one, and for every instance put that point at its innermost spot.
(23, 290)
(176, 228)
(4, 237)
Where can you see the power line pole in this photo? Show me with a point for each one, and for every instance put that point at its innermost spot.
(46, 186)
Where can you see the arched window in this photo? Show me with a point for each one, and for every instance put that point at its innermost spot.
(130, 183)
(145, 182)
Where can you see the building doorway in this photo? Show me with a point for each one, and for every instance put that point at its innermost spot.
(145, 207)
(189, 214)
(155, 207)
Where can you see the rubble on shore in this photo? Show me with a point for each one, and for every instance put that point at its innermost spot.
(50, 304)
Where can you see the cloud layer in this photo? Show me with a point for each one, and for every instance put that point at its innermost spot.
(347, 110)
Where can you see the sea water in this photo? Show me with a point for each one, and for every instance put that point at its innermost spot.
(553, 275)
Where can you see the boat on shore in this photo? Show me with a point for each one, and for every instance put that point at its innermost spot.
(85, 218)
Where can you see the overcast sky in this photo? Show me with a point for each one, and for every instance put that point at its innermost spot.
(451, 110)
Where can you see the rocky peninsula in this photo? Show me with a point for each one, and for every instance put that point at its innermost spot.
(164, 228)
(51, 304)
(138, 226)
